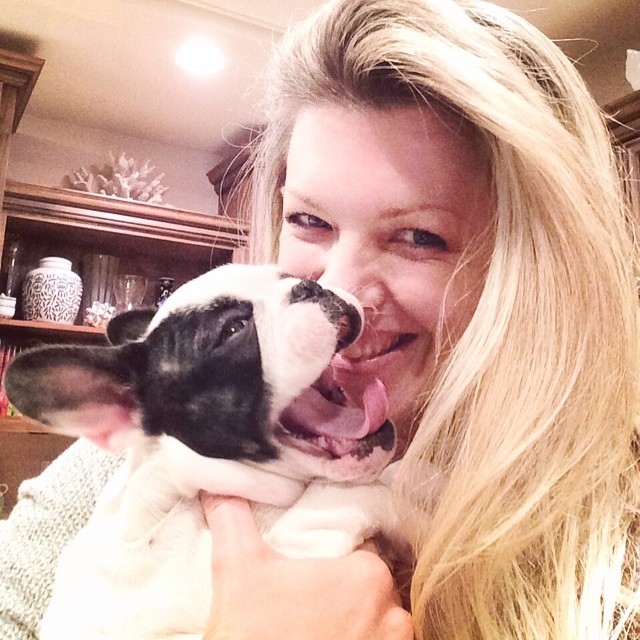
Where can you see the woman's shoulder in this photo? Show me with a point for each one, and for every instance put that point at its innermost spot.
(50, 510)
(63, 496)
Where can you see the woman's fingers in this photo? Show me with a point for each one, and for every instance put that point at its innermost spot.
(261, 593)
(233, 528)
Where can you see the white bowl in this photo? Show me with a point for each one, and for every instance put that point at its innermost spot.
(7, 307)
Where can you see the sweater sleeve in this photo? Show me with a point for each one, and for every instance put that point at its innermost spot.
(50, 510)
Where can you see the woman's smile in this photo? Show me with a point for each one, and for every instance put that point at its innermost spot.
(379, 344)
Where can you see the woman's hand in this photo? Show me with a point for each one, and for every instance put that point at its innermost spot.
(259, 593)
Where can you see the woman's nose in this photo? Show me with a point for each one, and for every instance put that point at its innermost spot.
(354, 267)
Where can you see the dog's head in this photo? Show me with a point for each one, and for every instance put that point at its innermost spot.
(234, 365)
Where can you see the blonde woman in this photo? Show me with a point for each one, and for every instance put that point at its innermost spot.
(443, 161)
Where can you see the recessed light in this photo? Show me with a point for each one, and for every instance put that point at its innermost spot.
(200, 57)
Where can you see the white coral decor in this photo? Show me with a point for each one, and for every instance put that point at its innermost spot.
(120, 177)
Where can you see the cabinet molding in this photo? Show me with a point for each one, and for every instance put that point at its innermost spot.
(625, 118)
(624, 125)
(20, 72)
(78, 209)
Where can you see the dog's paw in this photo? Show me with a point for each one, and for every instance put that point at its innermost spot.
(317, 543)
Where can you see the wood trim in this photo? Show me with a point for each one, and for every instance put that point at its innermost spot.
(225, 175)
(8, 102)
(20, 71)
(624, 125)
(232, 168)
(37, 325)
(116, 215)
(25, 453)
(35, 330)
(22, 424)
(625, 118)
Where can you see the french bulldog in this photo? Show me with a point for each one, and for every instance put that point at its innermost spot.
(227, 388)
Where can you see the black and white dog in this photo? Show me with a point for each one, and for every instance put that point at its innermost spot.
(228, 390)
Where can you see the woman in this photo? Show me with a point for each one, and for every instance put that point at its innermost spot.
(444, 162)
(526, 406)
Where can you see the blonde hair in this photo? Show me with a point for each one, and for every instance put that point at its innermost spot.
(527, 530)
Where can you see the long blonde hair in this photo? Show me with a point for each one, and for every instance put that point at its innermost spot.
(527, 530)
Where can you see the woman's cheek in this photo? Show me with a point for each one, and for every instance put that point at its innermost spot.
(462, 299)
(420, 292)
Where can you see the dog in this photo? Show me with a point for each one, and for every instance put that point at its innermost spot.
(227, 388)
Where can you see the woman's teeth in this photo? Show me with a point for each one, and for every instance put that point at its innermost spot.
(374, 348)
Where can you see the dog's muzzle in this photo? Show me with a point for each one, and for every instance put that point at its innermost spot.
(347, 442)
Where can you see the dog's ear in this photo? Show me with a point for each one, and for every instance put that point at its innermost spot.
(129, 326)
(80, 391)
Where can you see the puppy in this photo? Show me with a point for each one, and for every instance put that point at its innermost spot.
(229, 390)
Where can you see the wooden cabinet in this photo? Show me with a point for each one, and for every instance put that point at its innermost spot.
(149, 240)
(625, 129)
(230, 179)
(18, 76)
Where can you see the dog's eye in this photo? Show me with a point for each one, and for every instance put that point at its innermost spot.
(231, 327)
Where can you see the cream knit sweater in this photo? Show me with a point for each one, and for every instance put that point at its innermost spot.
(50, 511)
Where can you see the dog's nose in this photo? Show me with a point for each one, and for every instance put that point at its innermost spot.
(306, 290)
(344, 315)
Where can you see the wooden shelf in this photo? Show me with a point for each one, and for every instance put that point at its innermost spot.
(148, 240)
(100, 214)
(53, 331)
(49, 327)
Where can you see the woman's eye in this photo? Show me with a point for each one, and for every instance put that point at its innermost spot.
(307, 220)
(422, 238)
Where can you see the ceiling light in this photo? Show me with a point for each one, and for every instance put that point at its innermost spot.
(200, 57)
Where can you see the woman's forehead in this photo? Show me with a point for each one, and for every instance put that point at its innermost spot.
(383, 149)
(407, 125)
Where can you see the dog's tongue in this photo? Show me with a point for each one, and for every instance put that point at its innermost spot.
(321, 417)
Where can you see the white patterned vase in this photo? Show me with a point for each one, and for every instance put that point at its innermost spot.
(52, 292)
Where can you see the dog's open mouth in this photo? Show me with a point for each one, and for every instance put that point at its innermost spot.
(319, 422)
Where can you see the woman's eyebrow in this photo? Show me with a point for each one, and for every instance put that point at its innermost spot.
(310, 202)
(390, 213)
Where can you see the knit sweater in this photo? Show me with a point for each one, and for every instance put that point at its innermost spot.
(50, 510)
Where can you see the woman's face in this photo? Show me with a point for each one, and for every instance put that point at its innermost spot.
(384, 204)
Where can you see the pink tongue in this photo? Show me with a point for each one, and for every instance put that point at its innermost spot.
(317, 415)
